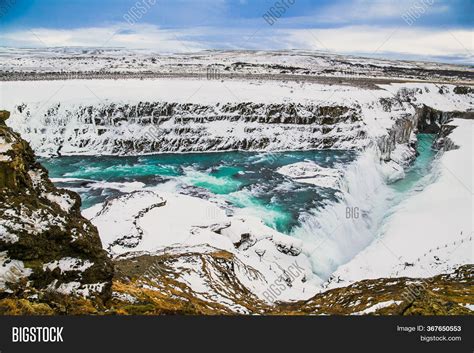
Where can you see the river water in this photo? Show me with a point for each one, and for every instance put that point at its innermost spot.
(339, 223)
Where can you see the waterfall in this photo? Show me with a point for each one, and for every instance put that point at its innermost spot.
(337, 232)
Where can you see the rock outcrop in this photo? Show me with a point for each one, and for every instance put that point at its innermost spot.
(167, 282)
(45, 244)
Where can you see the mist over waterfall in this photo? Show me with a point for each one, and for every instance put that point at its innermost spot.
(338, 231)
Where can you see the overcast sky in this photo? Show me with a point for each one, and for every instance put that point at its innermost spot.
(428, 29)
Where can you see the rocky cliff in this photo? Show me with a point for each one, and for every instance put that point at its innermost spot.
(151, 127)
(46, 246)
(313, 117)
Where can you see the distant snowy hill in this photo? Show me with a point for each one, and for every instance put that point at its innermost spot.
(33, 63)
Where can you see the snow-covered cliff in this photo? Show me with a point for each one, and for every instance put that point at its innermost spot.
(137, 117)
